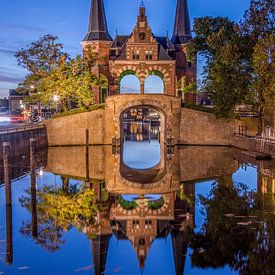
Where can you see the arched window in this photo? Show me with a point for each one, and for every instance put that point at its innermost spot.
(129, 83)
(154, 83)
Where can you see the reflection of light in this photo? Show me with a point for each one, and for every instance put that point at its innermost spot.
(41, 172)
(5, 119)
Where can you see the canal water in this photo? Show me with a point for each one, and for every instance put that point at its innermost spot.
(182, 210)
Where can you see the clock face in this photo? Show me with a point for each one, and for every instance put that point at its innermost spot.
(142, 35)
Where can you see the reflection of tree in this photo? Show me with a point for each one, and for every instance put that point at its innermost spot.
(58, 211)
(239, 231)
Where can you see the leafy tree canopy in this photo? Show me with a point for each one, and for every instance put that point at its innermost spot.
(238, 58)
(54, 75)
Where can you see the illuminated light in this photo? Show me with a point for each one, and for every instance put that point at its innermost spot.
(55, 98)
(5, 119)
(32, 87)
(41, 172)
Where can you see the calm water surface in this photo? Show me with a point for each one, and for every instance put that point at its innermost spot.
(195, 210)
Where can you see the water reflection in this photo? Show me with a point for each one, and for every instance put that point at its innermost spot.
(125, 223)
(141, 138)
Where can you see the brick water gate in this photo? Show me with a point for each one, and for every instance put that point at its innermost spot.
(168, 107)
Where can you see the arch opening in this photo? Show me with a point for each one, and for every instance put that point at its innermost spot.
(154, 83)
(129, 83)
(141, 137)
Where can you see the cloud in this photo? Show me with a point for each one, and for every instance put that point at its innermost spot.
(4, 78)
(7, 51)
(20, 28)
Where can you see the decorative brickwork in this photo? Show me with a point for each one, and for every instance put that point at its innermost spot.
(141, 53)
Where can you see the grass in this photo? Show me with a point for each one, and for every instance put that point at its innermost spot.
(80, 111)
(197, 108)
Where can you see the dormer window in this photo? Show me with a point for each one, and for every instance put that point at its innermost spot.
(136, 55)
(149, 55)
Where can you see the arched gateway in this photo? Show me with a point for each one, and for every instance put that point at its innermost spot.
(168, 107)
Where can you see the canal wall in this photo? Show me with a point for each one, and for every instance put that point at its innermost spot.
(186, 126)
(71, 130)
(254, 145)
(20, 139)
(201, 128)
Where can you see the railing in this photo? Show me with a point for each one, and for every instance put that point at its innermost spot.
(21, 129)
(268, 135)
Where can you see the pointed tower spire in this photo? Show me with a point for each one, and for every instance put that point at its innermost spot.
(98, 29)
(182, 29)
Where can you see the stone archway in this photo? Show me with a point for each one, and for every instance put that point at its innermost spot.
(169, 106)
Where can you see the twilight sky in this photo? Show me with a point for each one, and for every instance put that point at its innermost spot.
(23, 21)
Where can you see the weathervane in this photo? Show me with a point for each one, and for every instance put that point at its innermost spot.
(142, 4)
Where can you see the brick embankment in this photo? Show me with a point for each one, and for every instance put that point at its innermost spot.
(19, 138)
(254, 145)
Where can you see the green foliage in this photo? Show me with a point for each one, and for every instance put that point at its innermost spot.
(55, 78)
(227, 72)
(41, 57)
(259, 19)
(155, 205)
(128, 205)
(190, 88)
(58, 210)
(237, 66)
(263, 86)
(238, 230)
(198, 108)
(80, 110)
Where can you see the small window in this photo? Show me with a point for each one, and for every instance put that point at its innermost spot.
(136, 55)
(149, 55)
(189, 64)
(103, 94)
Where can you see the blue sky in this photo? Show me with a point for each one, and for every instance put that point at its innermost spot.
(23, 21)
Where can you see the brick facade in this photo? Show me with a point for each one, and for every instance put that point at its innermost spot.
(141, 54)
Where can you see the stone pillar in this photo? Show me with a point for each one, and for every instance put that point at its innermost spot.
(142, 87)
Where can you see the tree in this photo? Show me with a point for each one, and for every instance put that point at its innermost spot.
(71, 81)
(42, 56)
(259, 25)
(263, 85)
(58, 211)
(238, 230)
(259, 19)
(53, 74)
(227, 73)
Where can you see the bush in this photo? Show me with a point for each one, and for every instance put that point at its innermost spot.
(80, 110)
(198, 108)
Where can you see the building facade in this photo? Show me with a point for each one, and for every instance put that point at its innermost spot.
(141, 54)
(15, 102)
